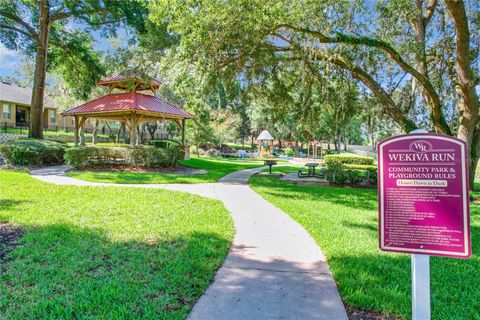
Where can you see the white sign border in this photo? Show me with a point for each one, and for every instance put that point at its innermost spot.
(466, 200)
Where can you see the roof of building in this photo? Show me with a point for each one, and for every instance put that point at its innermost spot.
(130, 101)
(15, 94)
(265, 135)
(133, 82)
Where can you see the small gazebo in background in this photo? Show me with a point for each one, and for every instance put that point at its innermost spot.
(265, 144)
(129, 107)
(315, 146)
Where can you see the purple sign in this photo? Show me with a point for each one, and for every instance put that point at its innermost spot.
(423, 195)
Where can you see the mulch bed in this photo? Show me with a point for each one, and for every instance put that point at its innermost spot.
(9, 234)
(359, 314)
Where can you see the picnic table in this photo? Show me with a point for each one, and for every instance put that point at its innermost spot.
(311, 171)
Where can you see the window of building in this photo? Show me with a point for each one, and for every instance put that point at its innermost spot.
(53, 117)
(6, 111)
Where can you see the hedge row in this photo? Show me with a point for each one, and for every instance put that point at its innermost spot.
(347, 159)
(351, 174)
(33, 152)
(147, 156)
(350, 169)
(164, 143)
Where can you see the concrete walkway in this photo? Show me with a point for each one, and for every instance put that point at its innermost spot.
(274, 269)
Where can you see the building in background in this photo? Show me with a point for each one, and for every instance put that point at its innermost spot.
(15, 109)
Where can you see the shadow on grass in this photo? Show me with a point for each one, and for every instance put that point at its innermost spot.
(356, 198)
(382, 282)
(8, 203)
(373, 228)
(366, 277)
(62, 271)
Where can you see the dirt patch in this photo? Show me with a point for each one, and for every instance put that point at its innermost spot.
(9, 234)
(359, 314)
(126, 168)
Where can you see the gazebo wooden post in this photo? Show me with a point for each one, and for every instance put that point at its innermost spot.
(133, 129)
(75, 136)
(183, 132)
(82, 135)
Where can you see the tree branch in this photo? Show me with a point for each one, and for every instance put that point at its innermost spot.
(25, 33)
(358, 73)
(18, 20)
(434, 100)
(429, 11)
(59, 15)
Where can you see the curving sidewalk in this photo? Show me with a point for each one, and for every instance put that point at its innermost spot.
(274, 269)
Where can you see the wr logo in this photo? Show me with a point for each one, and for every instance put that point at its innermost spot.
(420, 146)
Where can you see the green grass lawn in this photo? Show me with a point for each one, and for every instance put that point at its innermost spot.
(238, 146)
(107, 253)
(216, 168)
(343, 221)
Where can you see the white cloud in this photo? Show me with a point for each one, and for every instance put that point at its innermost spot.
(9, 60)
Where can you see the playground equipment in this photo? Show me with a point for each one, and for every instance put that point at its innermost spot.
(265, 144)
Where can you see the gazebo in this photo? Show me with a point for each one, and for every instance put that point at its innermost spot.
(265, 143)
(130, 106)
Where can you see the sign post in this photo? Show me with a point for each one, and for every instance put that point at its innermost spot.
(423, 204)
(420, 287)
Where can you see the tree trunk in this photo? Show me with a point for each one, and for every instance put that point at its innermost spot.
(120, 130)
(151, 129)
(94, 133)
(82, 135)
(38, 91)
(468, 106)
(474, 157)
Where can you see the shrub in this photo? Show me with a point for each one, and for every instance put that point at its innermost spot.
(371, 171)
(289, 152)
(213, 153)
(229, 155)
(158, 143)
(351, 174)
(347, 159)
(33, 152)
(147, 156)
(227, 150)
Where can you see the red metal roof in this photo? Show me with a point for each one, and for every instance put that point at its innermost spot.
(122, 78)
(129, 101)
